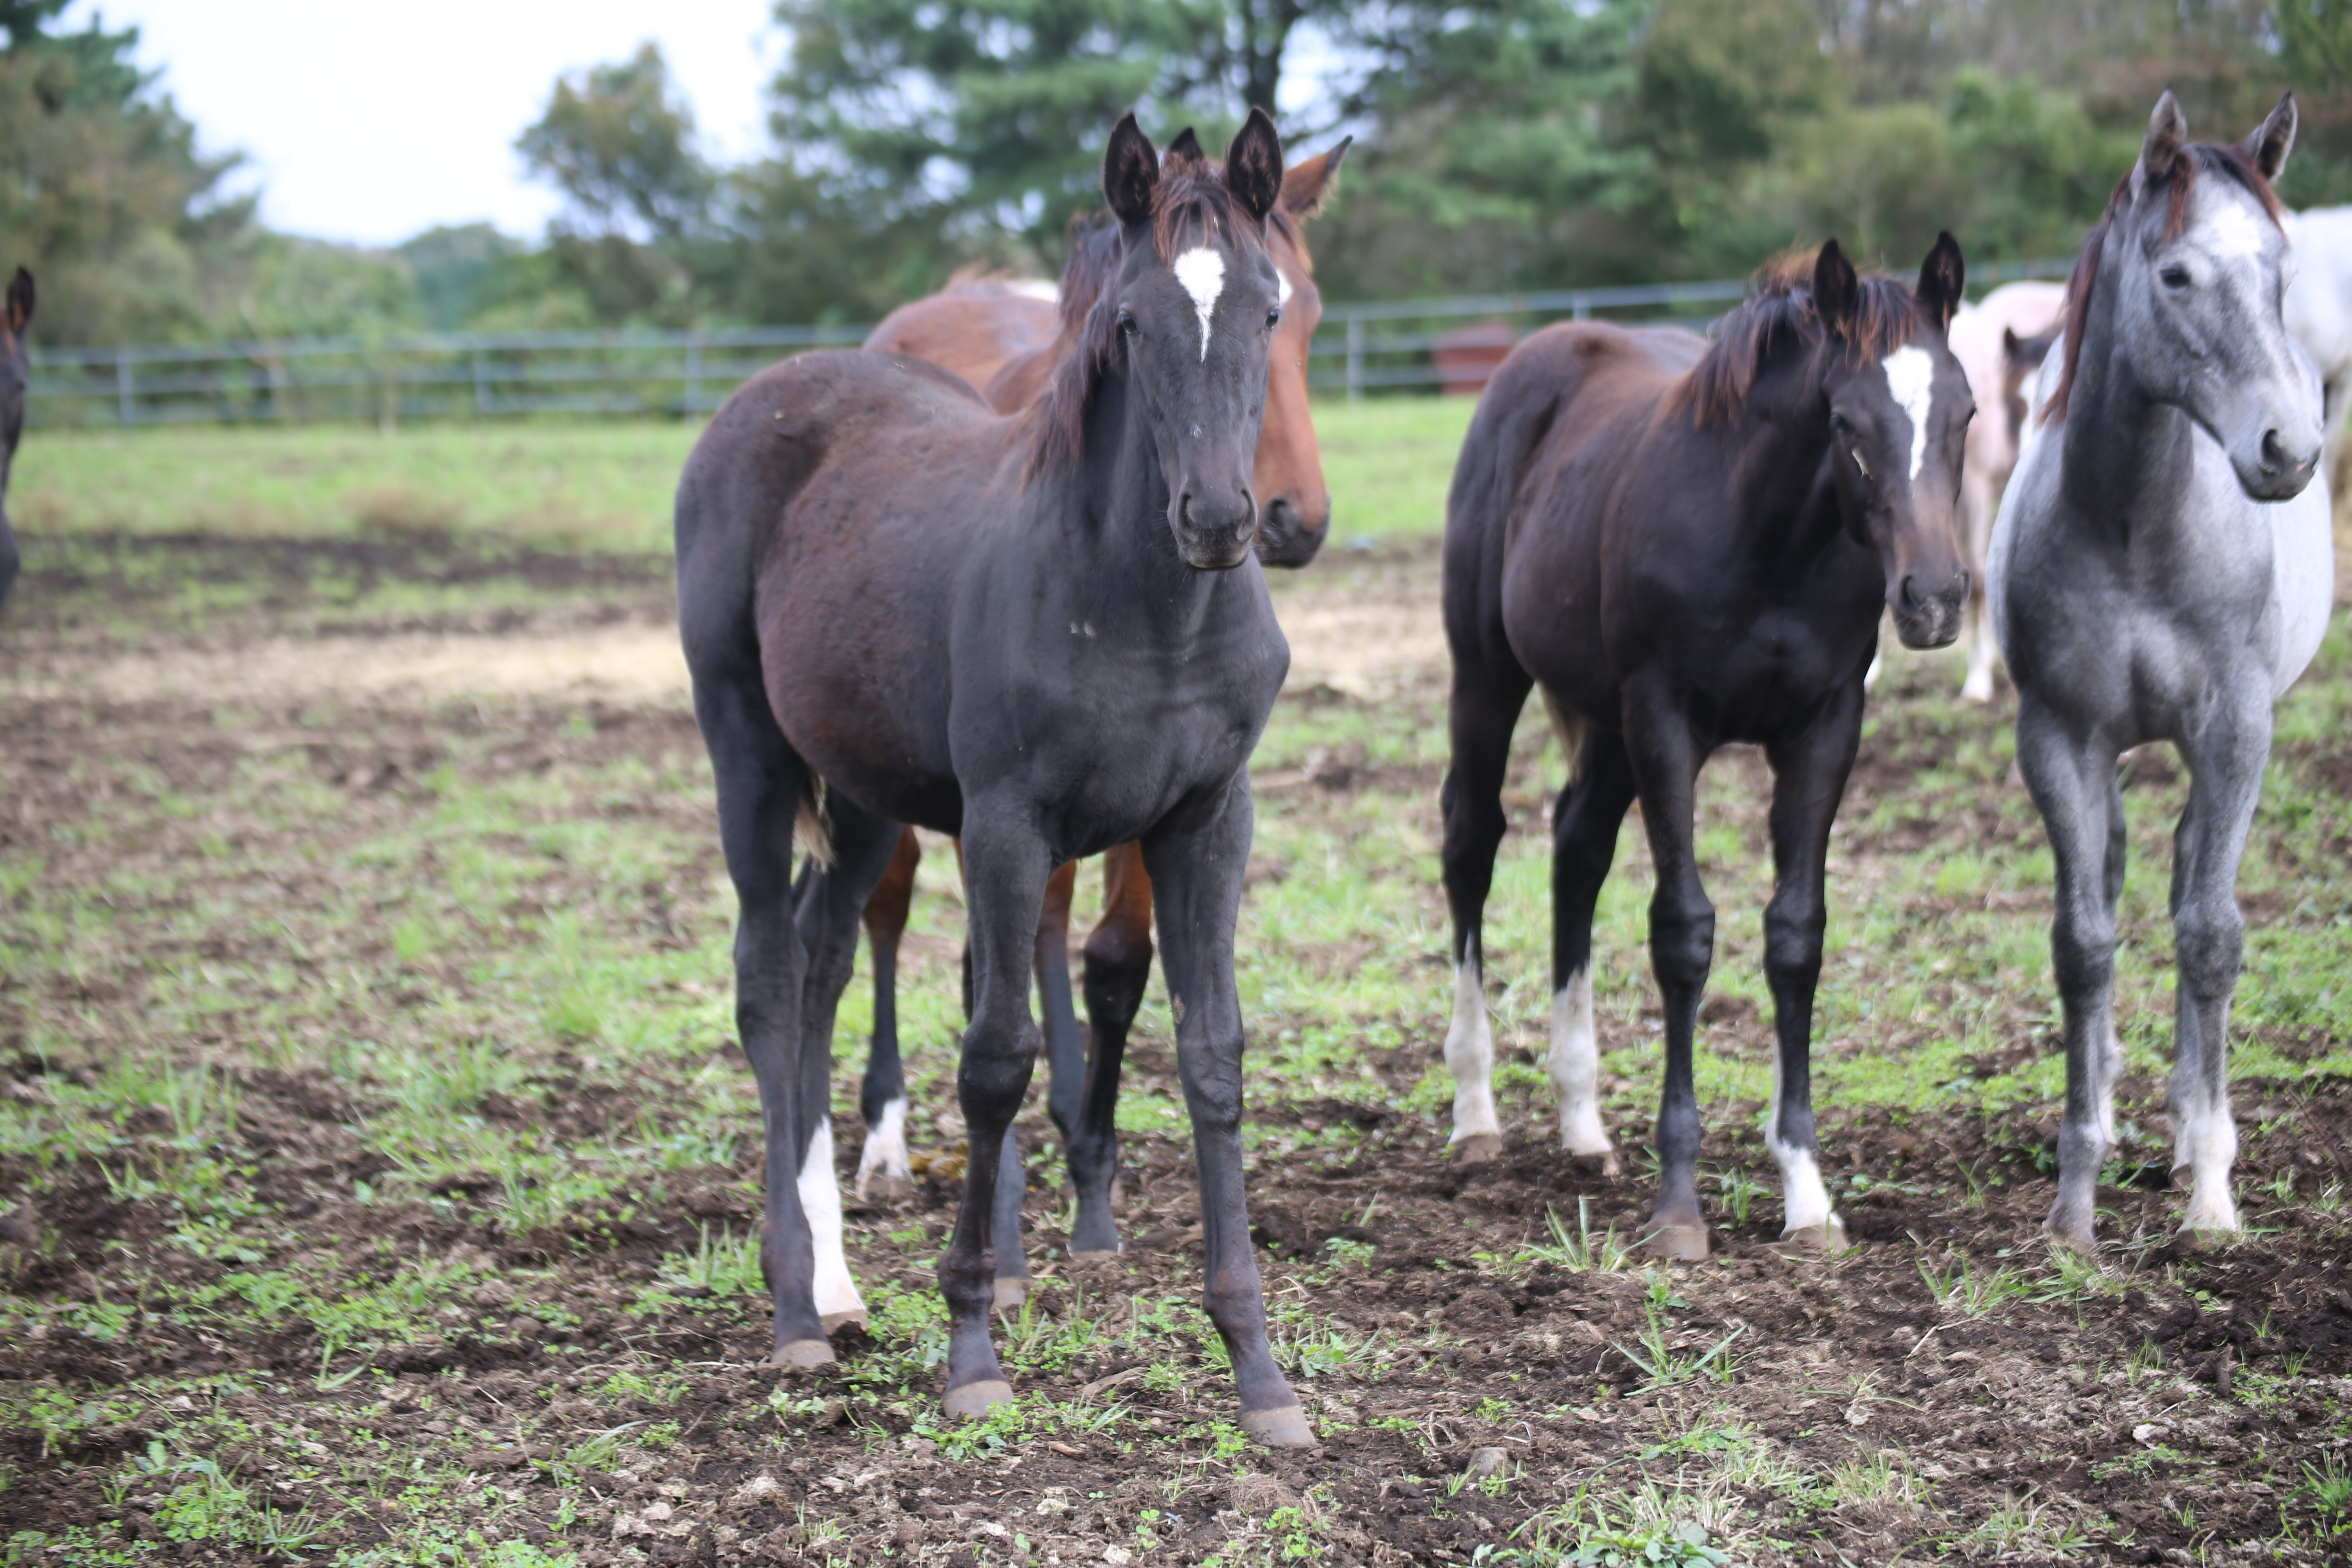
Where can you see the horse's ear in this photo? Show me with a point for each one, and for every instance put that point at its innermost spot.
(1944, 280)
(1185, 149)
(2008, 344)
(2168, 131)
(1837, 290)
(1130, 171)
(1253, 165)
(1308, 185)
(2274, 139)
(20, 301)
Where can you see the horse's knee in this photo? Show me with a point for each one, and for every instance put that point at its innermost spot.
(1681, 939)
(2209, 940)
(2083, 947)
(1792, 944)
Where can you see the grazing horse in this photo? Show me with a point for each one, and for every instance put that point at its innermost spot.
(16, 368)
(967, 330)
(2162, 571)
(1984, 336)
(1045, 633)
(1687, 544)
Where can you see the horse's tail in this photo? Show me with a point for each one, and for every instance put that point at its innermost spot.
(811, 831)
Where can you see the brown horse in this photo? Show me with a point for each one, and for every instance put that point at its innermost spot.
(16, 368)
(1008, 343)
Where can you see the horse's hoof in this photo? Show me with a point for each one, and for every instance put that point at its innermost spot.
(1827, 1237)
(803, 1354)
(879, 1188)
(1011, 1290)
(1479, 1149)
(1282, 1428)
(2208, 1237)
(832, 1321)
(1093, 1254)
(977, 1399)
(1678, 1243)
(2080, 1241)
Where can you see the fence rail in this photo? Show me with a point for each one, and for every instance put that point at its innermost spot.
(1380, 346)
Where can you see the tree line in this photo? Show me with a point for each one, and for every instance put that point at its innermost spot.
(1501, 145)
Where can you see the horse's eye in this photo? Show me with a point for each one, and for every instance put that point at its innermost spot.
(1125, 324)
(2175, 276)
(1838, 423)
(1273, 318)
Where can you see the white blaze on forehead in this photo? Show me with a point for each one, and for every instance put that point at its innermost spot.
(1282, 290)
(1202, 271)
(2231, 232)
(1911, 377)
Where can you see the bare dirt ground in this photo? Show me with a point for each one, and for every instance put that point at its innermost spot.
(1491, 1386)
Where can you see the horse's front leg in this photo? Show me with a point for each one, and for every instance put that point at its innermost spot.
(1119, 966)
(2073, 777)
(2226, 758)
(1809, 769)
(1196, 872)
(1006, 864)
(1067, 1062)
(1665, 759)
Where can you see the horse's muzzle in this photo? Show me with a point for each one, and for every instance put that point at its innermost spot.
(1215, 534)
(1285, 538)
(2283, 465)
(1928, 615)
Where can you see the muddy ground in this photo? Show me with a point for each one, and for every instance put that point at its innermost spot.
(1495, 1379)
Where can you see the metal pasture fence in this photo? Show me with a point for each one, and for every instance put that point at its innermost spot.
(1367, 348)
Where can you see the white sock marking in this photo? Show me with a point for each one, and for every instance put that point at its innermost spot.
(884, 1153)
(836, 1293)
(1202, 271)
(2207, 1144)
(1470, 1057)
(1576, 1067)
(1805, 1200)
(1911, 377)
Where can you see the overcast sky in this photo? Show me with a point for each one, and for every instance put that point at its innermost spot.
(368, 122)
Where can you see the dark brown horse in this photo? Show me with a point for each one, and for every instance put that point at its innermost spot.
(1047, 634)
(1687, 544)
(16, 369)
(990, 333)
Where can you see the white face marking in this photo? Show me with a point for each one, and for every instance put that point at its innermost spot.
(1202, 271)
(1282, 290)
(1911, 377)
(2230, 232)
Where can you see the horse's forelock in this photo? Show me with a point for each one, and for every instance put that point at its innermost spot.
(2181, 188)
(1885, 317)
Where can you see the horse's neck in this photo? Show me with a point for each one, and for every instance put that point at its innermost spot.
(2128, 459)
(1784, 491)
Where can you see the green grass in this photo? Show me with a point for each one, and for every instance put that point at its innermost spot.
(606, 483)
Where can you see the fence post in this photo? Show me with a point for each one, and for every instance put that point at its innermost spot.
(122, 390)
(1355, 357)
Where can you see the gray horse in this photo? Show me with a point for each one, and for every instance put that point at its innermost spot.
(2161, 569)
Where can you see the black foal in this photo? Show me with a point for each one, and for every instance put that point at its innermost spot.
(1045, 633)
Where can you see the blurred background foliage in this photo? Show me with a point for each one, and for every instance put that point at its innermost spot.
(1501, 145)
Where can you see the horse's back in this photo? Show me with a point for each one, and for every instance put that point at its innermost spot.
(974, 327)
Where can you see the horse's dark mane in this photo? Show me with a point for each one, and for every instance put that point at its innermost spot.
(1886, 315)
(2180, 184)
(1190, 201)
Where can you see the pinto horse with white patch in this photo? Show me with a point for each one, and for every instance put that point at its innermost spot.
(1687, 544)
(1047, 634)
(2162, 570)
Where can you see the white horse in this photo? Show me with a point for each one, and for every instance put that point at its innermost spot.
(1981, 336)
(2319, 310)
(2162, 571)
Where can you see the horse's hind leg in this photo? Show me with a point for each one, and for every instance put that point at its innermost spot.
(1810, 769)
(1065, 1086)
(1584, 845)
(1006, 867)
(762, 785)
(1117, 968)
(1665, 759)
(1196, 870)
(829, 899)
(882, 1166)
(1483, 711)
(2073, 777)
(2225, 762)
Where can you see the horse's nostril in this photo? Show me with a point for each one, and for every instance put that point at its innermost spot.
(2275, 458)
(1910, 593)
